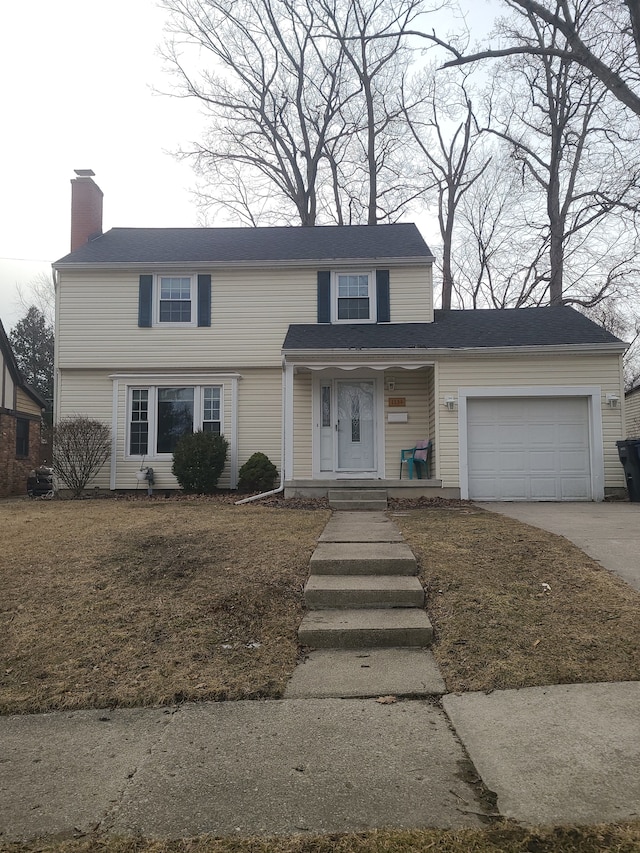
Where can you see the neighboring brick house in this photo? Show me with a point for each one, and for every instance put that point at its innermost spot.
(632, 412)
(320, 347)
(20, 424)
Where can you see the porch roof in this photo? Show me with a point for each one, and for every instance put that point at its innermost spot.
(488, 328)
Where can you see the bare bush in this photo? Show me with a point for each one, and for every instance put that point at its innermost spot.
(81, 446)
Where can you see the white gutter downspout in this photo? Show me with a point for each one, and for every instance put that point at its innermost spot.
(283, 443)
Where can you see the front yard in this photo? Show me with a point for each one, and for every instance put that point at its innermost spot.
(134, 602)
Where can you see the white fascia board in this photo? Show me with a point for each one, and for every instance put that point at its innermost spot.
(315, 263)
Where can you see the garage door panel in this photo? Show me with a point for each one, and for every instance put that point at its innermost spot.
(541, 462)
(528, 448)
(543, 489)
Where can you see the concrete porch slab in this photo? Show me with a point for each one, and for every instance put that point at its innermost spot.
(350, 673)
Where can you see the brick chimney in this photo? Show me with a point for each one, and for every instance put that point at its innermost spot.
(86, 208)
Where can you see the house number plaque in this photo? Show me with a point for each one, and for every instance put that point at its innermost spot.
(397, 402)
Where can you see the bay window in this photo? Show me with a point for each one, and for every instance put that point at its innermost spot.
(159, 416)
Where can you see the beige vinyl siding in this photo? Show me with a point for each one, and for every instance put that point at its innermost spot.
(632, 415)
(250, 313)
(413, 386)
(87, 393)
(411, 294)
(303, 428)
(260, 415)
(7, 388)
(528, 370)
(90, 392)
(24, 403)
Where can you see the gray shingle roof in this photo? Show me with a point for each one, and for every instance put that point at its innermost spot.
(235, 245)
(458, 330)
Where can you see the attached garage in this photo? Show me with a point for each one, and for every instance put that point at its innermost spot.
(529, 448)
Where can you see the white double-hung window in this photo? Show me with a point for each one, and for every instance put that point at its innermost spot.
(354, 297)
(175, 300)
(158, 416)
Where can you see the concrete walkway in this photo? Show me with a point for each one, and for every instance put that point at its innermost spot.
(552, 755)
(608, 532)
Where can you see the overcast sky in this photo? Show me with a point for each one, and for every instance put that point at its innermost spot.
(77, 80)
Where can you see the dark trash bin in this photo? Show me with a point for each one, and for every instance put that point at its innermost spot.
(629, 453)
(40, 482)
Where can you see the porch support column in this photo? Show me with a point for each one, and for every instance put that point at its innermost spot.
(114, 433)
(233, 462)
(288, 420)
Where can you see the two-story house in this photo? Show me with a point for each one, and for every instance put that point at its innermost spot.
(320, 347)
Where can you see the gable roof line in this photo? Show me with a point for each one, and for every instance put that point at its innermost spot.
(14, 370)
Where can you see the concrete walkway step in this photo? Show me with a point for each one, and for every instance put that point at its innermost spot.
(365, 628)
(357, 499)
(350, 673)
(363, 558)
(332, 591)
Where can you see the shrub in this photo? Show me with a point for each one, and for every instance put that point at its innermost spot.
(81, 446)
(198, 460)
(258, 474)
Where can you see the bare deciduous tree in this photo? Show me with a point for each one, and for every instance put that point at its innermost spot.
(575, 150)
(447, 135)
(305, 120)
(601, 36)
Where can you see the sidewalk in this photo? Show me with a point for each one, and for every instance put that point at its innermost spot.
(552, 755)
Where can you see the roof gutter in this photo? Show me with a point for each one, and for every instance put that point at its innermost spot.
(186, 265)
(407, 353)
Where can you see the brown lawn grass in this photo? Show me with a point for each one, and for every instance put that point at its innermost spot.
(501, 838)
(135, 602)
(129, 602)
(497, 626)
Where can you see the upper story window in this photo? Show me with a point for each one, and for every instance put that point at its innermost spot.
(175, 300)
(354, 299)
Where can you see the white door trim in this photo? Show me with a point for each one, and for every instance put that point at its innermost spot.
(331, 377)
(593, 393)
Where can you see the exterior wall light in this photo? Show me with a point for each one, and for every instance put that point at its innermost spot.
(612, 401)
(450, 403)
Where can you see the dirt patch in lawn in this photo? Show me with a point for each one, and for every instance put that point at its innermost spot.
(122, 603)
(514, 606)
(502, 838)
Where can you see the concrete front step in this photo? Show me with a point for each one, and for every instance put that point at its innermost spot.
(360, 504)
(357, 499)
(363, 558)
(366, 628)
(331, 591)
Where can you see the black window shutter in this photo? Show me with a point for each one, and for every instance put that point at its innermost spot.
(145, 301)
(383, 308)
(324, 296)
(204, 300)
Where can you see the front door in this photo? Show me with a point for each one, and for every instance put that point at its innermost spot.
(355, 419)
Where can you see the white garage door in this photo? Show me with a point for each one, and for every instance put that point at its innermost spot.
(528, 449)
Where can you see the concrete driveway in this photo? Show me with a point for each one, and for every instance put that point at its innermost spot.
(608, 532)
